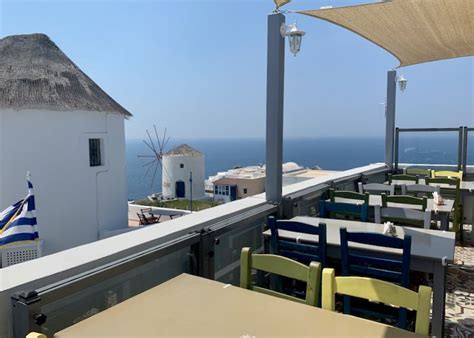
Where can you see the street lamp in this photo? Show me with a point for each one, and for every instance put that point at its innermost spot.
(294, 36)
(402, 83)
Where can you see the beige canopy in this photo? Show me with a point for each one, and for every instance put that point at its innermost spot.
(414, 31)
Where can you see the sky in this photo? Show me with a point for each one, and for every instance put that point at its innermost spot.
(198, 68)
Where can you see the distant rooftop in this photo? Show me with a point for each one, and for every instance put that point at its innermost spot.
(184, 150)
(36, 74)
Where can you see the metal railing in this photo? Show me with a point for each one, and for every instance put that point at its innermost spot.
(213, 252)
(466, 146)
(462, 143)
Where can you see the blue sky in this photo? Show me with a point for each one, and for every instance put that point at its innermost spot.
(199, 68)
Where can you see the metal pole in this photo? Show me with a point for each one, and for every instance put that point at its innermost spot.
(390, 117)
(397, 145)
(275, 91)
(464, 152)
(191, 191)
(460, 148)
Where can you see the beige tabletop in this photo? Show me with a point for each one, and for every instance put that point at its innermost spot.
(189, 306)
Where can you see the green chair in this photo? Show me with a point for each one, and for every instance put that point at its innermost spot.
(402, 179)
(405, 202)
(281, 266)
(358, 198)
(420, 172)
(449, 189)
(448, 174)
(378, 291)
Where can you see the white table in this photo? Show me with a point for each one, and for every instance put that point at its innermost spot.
(189, 306)
(431, 250)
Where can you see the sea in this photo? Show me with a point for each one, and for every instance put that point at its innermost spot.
(331, 153)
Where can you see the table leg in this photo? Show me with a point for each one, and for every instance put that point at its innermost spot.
(439, 297)
(444, 218)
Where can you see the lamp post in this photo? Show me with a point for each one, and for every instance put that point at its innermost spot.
(277, 32)
(390, 105)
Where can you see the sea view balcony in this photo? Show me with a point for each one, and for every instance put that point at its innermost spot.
(381, 249)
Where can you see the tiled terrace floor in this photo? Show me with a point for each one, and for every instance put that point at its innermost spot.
(460, 291)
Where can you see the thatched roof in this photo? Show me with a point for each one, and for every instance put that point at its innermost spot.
(36, 74)
(184, 150)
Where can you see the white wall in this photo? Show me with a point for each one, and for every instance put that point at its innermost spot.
(73, 200)
(173, 173)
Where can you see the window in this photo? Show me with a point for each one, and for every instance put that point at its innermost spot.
(221, 190)
(181, 165)
(95, 152)
(245, 191)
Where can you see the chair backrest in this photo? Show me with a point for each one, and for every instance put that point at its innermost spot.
(343, 196)
(142, 219)
(405, 201)
(281, 266)
(449, 174)
(344, 210)
(449, 187)
(418, 190)
(381, 291)
(369, 263)
(402, 179)
(376, 188)
(420, 172)
(403, 216)
(302, 252)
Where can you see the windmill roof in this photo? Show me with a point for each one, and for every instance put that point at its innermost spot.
(184, 150)
(36, 74)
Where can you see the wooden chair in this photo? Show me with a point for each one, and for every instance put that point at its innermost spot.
(281, 266)
(402, 179)
(142, 219)
(392, 210)
(337, 195)
(448, 174)
(344, 210)
(302, 252)
(376, 188)
(35, 335)
(449, 188)
(381, 291)
(418, 203)
(419, 190)
(150, 218)
(420, 172)
(369, 264)
(403, 216)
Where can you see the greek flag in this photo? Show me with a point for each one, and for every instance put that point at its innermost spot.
(18, 222)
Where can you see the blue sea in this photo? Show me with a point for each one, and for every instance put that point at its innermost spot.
(328, 153)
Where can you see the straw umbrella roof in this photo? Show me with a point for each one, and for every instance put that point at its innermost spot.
(414, 31)
(36, 74)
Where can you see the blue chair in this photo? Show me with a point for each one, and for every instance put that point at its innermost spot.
(367, 263)
(344, 210)
(304, 253)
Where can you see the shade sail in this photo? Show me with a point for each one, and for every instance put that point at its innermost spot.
(414, 31)
(280, 3)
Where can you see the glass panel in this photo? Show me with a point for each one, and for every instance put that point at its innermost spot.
(76, 307)
(227, 252)
(429, 147)
(470, 147)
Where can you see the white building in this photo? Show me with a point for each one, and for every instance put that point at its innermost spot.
(58, 124)
(178, 163)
